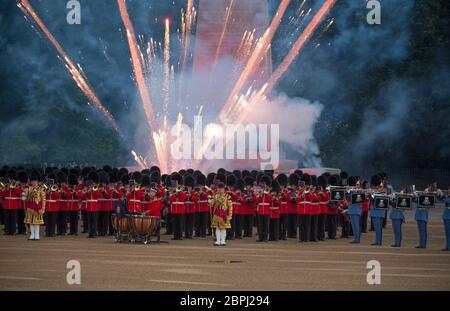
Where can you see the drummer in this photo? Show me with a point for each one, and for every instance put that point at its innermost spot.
(151, 204)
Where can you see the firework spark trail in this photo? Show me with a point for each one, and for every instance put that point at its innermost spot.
(187, 33)
(224, 30)
(256, 57)
(137, 67)
(138, 160)
(160, 146)
(76, 73)
(166, 84)
(304, 37)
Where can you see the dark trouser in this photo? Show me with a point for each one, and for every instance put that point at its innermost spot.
(21, 228)
(332, 225)
(10, 221)
(202, 223)
(169, 223)
(274, 229)
(385, 219)
(292, 225)
(73, 219)
(248, 225)
(103, 223)
(189, 225)
(238, 226)
(50, 223)
(364, 217)
(210, 230)
(314, 228)
(230, 232)
(92, 223)
(263, 227)
(322, 220)
(62, 222)
(84, 218)
(178, 226)
(110, 224)
(197, 224)
(304, 223)
(2, 219)
(283, 226)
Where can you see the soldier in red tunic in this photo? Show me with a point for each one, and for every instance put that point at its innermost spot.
(249, 206)
(190, 202)
(23, 179)
(237, 199)
(91, 195)
(177, 199)
(135, 194)
(73, 201)
(12, 195)
(293, 200)
(52, 205)
(264, 201)
(63, 210)
(315, 210)
(274, 227)
(202, 206)
(324, 197)
(106, 203)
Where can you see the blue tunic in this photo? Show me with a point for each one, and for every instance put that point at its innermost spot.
(355, 209)
(397, 214)
(421, 214)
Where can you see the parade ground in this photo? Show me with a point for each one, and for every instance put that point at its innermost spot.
(241, 265)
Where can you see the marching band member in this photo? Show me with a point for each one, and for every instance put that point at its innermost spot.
(274, 225)
(324, 197)
(35, 207)
(282, 180)
(63, 204)
(52, 206)
(355, 211)
(293, 216)
(105, 203)
(190, 204)
(73, 201)
(376, 215)
(166, 204)
(230, 182)
(117, 194)
(237, 200)
(333, 208)
(134, 196)
(446, 216)
(264, 200)
(249, 206)
(315, 212)
(421, 217)
(222, 211)
(90, 197)
(202, 207)
(23, 179)
(11, 201)
(177, 200)
(304, 209)
(397, 216)
(365, 209)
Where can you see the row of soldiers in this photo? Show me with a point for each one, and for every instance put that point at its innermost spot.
(281, 207)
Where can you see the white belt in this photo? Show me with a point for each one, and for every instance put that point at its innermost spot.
(51, 201)
(91, 200)
(202, 201)
(135, 201)
(177, 202)
(263, 203)
(237, 203)
(274, 208)
(12, 198)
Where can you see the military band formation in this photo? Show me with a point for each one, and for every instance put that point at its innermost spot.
(227, 205)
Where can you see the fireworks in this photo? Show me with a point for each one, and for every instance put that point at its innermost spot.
(75, 71)
(244, 96)
(304, 37)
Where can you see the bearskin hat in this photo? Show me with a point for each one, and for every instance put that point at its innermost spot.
(61, 177)
(103, 177)
(145, 181)
(282, 179)
(230, 180)
(145, 171)
(210, 178)
(307, 179)
(137, 177)
(314, 181)
(177, 177)
(322, 181)
(93, 175)
(294, 179)
(245, 173)
(189, 181)
(249, 181)
(240, 184)
(201, 179)
(265, 179)
(220, 177)
(334, 180)
(107, 168)
(125, 179)
(155, 168)
(155, 177)
(73, 179)
(221, 171)
(237, 173)
(22, 176)
(168, 181)
(375, 180)
(85, 171)
(182, 172)
(275, 186)
(12, 174)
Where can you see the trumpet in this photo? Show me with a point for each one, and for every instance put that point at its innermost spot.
(54, 188)
(267, 190)
(13, 184)
(179, 188)
(95, 187)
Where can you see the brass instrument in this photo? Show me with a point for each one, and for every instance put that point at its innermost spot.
(2, 185)
(95, 187)
(54, 188)
(13, 184)
(267, 190)
(179, 188)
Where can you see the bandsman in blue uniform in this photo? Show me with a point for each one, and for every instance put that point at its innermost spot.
(446, 217)
(421, 217)
(398, 217)
(355, 211)
(379, 206)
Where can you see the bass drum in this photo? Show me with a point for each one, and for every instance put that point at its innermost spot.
(144, 226)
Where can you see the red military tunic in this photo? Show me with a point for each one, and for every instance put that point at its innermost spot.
(315, 206)
(275, 208)
(265, 201)
(134, 200)
(91, 200)
(52, 201)
(191, 201)
(292, 199)
(249, 208)
(237, 199)
(177, 205)
(12, 198)
(284, 206)
(324, 198)
(202, 203)
(106, 201)
(152, 206)
(63, 199)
